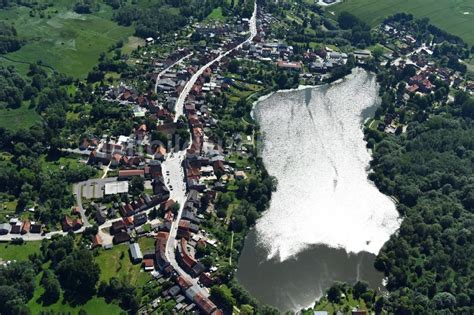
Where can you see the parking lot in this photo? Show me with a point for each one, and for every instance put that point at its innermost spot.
(94, 188)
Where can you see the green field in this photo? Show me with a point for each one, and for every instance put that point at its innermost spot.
(453, 16)
(9, 251)
(216, 15)
(116, 263)
(18, 118)
(68, 42)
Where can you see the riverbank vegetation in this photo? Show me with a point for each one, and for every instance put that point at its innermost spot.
(341, 297)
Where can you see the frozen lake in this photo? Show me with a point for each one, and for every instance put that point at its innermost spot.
(326, 220)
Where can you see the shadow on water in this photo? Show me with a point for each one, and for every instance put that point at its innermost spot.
(296, 283)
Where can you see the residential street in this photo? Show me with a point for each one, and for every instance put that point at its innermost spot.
(184, 94)
(173, 163)
(77, 191)
(172, 172)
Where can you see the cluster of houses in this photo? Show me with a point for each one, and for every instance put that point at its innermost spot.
(406, 50)
(185, 294)
(124, 151)
(20, 227)
(319, 62)
(134, 214)
(205, 170)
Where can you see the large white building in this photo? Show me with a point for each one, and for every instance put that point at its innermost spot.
(114, 188)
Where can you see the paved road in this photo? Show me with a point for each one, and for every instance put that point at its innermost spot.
(77, 189)
(31, 236)
(184, 94)
(106, 170)
(173, 163)
(158, 77)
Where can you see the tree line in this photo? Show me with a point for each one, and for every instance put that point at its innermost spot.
(160, 19)
(9, 40)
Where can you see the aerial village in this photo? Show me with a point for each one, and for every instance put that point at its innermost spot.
(135, 160)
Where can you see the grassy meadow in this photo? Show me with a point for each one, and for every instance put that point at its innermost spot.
(21, 252)
(453, 16)
(68, 42)
(215, 15)
(116, 263)
(19, 118)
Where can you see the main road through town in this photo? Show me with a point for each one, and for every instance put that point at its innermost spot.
(172, 166)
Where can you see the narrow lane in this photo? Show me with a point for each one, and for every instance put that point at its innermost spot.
(159, 75)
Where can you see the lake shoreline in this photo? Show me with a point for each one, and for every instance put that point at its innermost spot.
(308, 247)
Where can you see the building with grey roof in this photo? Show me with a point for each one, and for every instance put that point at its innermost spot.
(136, 253)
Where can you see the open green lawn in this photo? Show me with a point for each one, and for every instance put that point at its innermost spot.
(7, 207)
(146, 244)
(241, 162)
(18, 118)
(132, 43)
(453, 16)
(470, 68)
(69, 42)
(9, 251)
(21, 67)
(116, 262)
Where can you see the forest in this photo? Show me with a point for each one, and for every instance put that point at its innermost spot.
(429, 170)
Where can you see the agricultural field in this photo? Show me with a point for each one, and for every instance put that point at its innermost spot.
(453, 16)
(62, 39)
